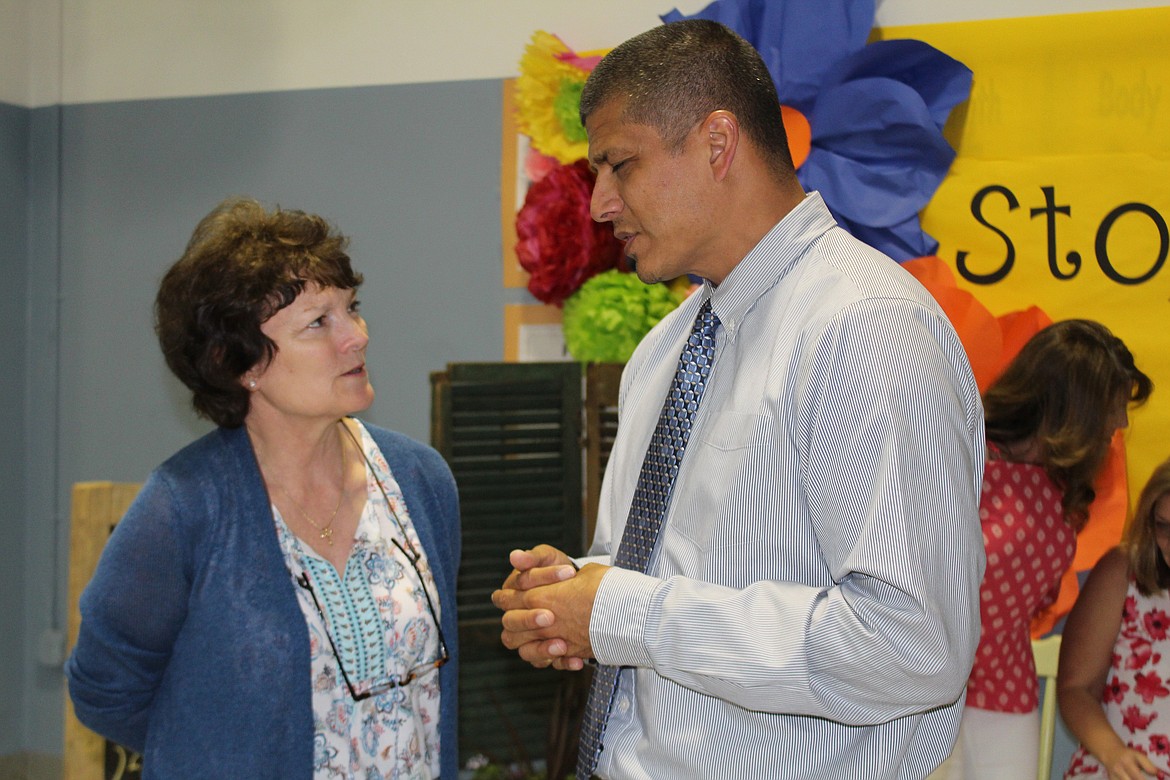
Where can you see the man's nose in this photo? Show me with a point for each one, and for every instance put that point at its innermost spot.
(605, 204)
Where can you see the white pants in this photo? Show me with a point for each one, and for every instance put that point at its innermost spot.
(993, 746)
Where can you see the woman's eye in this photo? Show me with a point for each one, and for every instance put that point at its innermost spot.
(317, 323)
(355, 307)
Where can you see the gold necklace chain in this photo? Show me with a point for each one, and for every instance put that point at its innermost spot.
(325, 531)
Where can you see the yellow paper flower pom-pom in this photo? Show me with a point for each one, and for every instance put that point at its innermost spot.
(545, 92)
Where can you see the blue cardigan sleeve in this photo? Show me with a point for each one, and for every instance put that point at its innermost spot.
(131, 612)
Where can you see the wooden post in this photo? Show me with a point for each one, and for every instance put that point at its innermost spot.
(96, 509)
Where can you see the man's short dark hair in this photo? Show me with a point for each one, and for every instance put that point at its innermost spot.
(673, 76)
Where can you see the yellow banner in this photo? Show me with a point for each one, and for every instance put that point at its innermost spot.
(1060, 195)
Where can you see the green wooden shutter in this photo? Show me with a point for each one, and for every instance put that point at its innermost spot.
(602, 381)
(511, 433)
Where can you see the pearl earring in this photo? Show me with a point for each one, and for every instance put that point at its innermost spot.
(252, 383)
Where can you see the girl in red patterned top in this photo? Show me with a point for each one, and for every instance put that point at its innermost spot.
(1050, 419)
(1115, 658)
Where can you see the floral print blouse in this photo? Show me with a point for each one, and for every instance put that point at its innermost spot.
(376, 613)
(1137, 689)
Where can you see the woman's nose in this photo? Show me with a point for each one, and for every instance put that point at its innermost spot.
(357, 334)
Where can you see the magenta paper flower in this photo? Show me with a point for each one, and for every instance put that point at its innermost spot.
(876, 110)
(558, 243)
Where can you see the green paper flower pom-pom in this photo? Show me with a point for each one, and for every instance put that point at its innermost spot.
(567, 107)
(611, 312)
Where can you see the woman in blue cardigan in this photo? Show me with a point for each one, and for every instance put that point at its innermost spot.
(279, 601)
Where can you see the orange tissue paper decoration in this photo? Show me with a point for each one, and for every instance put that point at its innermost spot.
(991, 342)
(799, 132)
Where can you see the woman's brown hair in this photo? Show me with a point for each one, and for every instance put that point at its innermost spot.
(242, 265)
(1058, 394)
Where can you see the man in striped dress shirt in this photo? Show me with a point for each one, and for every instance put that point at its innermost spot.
(811, 608)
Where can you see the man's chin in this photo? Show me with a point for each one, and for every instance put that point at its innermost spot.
(647, 277)
(645, 274)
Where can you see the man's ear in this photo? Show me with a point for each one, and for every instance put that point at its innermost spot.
(721, 130)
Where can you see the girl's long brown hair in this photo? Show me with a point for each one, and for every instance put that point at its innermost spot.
(1146, 563)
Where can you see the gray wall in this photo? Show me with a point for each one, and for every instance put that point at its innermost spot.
(410, 172)
(14, 135)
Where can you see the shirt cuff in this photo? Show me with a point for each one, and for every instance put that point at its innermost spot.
(617, 626)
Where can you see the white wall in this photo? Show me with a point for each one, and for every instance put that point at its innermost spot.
(14, 65)
(134, 49)
(30, 51)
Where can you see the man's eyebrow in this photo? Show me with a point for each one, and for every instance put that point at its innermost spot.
(606, 157)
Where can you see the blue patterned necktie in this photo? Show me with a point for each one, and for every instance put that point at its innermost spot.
(663, 457)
